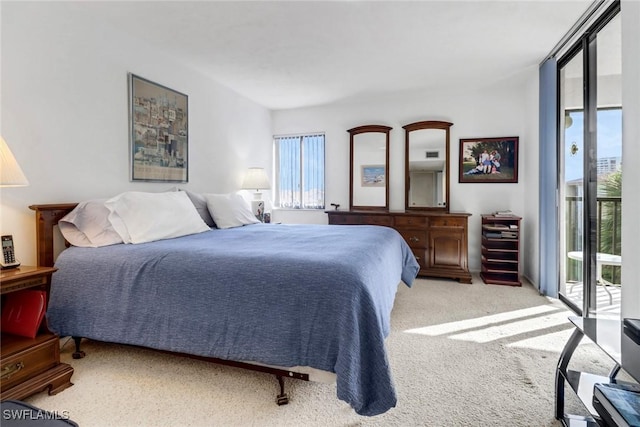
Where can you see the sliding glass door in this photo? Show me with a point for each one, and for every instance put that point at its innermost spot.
(590, 169)
(571, 157)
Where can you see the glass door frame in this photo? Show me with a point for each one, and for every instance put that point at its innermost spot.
(587, 45)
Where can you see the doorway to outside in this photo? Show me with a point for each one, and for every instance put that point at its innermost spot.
(590, 170)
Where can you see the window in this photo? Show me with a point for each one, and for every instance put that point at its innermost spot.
(299, 171)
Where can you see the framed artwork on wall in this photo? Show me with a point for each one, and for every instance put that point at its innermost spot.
(158, 132)
(488, 160)
(373, 176)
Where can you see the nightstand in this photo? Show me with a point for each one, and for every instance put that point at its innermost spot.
(29, 365)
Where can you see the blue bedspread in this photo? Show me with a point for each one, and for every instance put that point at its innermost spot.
(286, 295)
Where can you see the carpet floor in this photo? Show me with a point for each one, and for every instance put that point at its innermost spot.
(461, 355)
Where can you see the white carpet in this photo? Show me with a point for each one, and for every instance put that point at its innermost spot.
(462, 355)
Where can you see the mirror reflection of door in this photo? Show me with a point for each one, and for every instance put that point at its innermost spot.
(426, 168)
(427, 165)
(369, 167)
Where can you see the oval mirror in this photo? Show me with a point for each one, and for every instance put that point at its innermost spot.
(427, 165)
(369, 153)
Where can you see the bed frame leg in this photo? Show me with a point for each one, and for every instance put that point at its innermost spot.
(282, 398)
(78, 354)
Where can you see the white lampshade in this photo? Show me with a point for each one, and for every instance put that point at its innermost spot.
(256, 179)
(11, 174)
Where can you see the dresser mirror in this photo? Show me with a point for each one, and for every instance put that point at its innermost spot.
(427, 165)
(369, 172)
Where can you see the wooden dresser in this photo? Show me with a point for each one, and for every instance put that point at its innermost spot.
(438, 239)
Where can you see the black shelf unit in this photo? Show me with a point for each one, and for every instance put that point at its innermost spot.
(501, 250)
(609, 336)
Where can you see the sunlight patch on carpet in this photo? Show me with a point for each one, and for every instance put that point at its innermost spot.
(544, 342)
(467, 324)
(528, 323)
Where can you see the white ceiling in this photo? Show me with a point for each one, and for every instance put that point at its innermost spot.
(289, 54)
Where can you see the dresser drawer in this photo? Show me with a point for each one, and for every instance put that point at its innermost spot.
(415, 238)
(30, 362)
(365, 219)
(421, 256)
(343, 219)
(447, 222)
(403, 221)
(376, 220)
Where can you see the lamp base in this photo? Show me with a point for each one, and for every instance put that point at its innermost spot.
(257, 207)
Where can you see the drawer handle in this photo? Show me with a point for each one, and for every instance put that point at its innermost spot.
(418, 258)
(414, 239)
(8, 371)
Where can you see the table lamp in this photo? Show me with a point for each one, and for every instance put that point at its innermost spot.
(256, 179)
(11, 174)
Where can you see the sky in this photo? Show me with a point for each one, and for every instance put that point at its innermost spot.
(609, 139)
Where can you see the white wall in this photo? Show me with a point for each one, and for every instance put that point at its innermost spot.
(498, 110)
(65, 115)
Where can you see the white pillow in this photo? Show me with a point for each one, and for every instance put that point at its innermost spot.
(230, 210)
(87, 225)
(140, 217)
(200, 204)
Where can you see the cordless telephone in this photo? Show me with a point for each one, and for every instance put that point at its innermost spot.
(8, 254)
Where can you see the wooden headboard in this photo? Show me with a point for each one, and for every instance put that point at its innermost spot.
(47, 217)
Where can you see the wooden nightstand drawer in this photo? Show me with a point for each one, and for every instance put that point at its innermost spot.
(403, 221)
(447, 222)
(29, 362)
(25, 284)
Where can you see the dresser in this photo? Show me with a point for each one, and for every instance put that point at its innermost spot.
(438, 239)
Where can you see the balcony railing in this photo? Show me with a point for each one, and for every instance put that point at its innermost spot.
(608, 238)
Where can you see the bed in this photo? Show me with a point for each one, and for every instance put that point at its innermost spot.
(270, 296)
